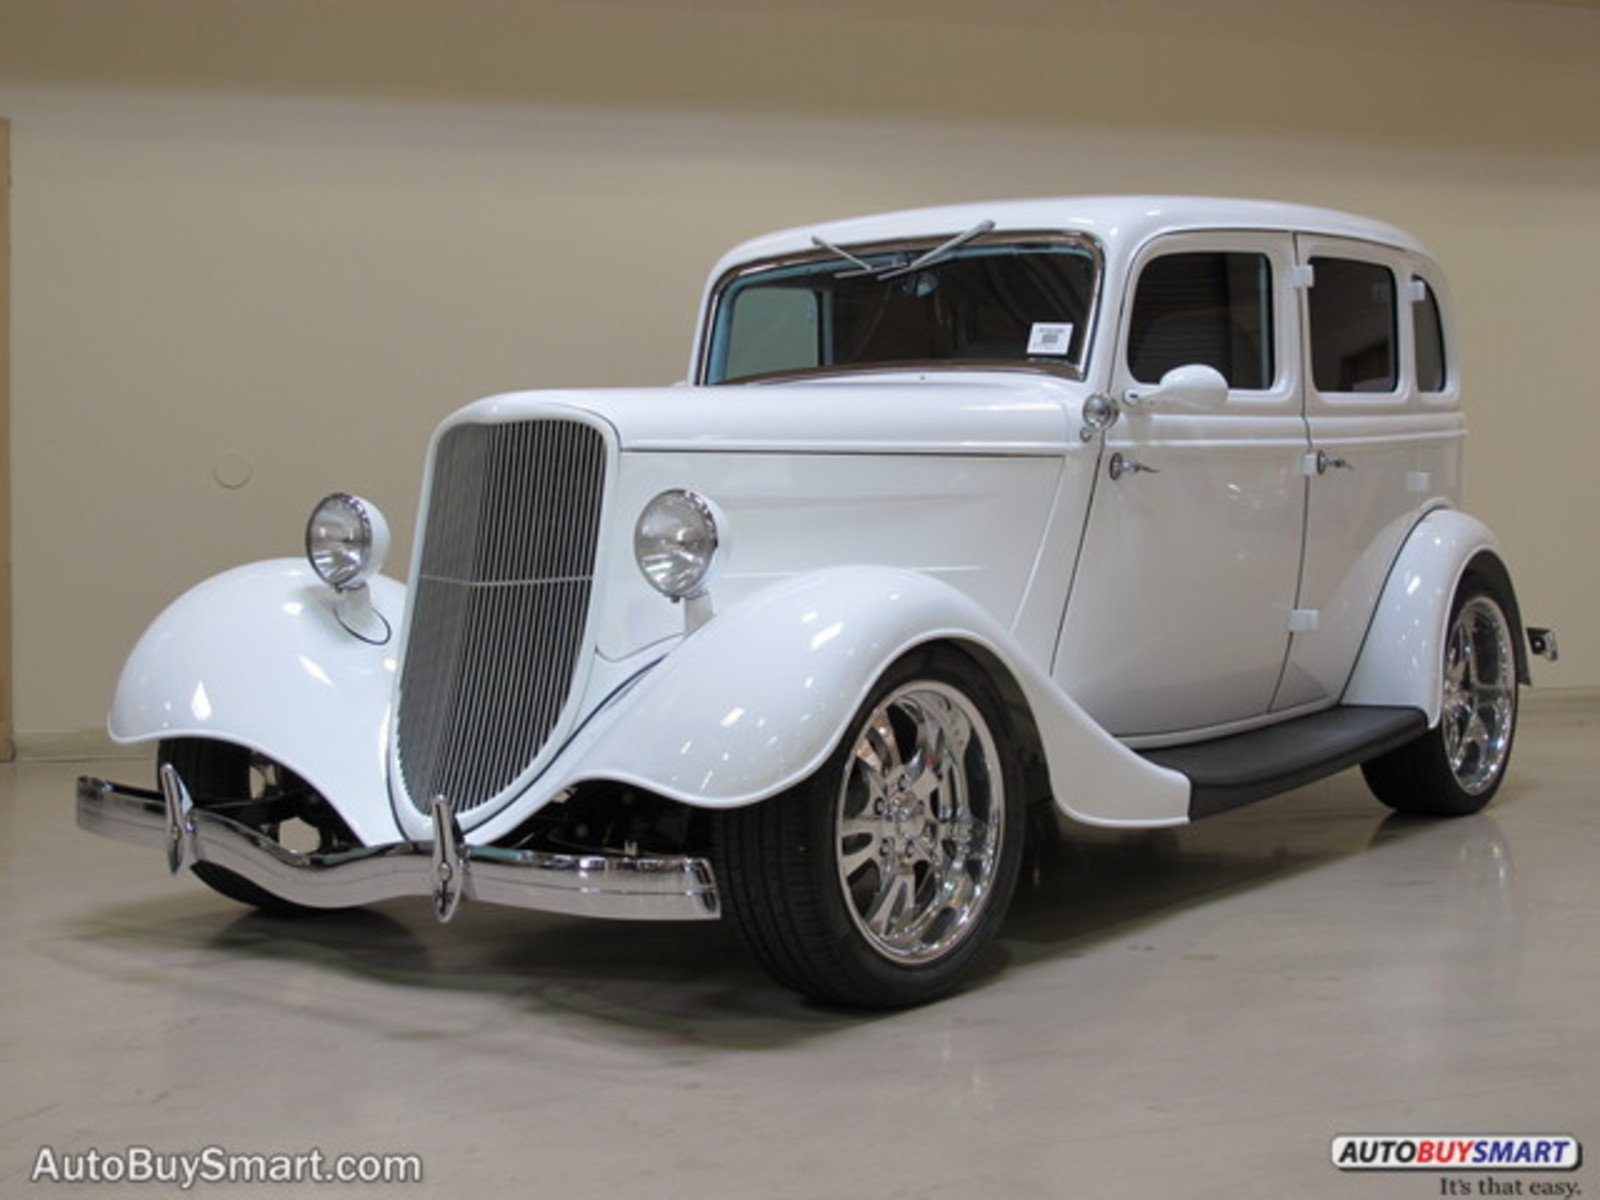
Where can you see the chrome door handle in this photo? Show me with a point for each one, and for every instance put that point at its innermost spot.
(1332, 462)
(1121, 466)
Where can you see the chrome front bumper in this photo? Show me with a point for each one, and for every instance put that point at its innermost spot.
(447, 870)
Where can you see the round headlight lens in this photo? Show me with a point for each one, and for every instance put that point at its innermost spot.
(675, 542)
(346, 541)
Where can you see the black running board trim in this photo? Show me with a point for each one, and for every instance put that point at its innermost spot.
(1226, 773)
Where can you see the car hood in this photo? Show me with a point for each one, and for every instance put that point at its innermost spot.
(990, 413)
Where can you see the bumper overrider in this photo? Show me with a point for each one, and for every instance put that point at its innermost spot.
(447, 870)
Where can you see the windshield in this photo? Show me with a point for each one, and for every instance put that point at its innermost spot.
(1011, 302)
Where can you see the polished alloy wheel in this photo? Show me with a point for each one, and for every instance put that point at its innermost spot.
(881, 879)
(1480, 694)
(920, 822)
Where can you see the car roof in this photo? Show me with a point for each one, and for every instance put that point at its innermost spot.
(1120, 222)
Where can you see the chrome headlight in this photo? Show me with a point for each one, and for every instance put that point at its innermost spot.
(347, 540)
(675, 543)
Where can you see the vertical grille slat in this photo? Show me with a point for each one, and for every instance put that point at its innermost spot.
(500, 606)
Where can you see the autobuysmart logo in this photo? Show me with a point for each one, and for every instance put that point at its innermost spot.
(1456, 1152)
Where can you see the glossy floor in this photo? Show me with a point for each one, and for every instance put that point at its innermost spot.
(1190, 1013)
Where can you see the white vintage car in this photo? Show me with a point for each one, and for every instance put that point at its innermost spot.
(1143, 507)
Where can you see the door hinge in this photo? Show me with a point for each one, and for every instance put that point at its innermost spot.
(1304, 620)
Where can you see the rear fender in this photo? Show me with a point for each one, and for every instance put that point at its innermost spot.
(257, 656)
(1402, 659)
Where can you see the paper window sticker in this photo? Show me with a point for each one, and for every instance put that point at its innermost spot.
(1050, 338)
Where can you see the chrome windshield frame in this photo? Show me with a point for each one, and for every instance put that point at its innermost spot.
(912, 247)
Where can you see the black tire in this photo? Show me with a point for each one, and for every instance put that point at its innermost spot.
(880, 881)
(256, 792)
(1455, 768)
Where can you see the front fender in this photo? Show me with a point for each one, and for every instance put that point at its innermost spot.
(1402, 659)
(256, 656)
(756, 699)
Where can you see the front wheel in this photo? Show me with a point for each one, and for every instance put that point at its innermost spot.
(880, 880)
(1456, 767)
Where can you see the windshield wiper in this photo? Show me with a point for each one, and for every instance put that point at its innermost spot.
(938, 253)
(866, 268)
(894, 270)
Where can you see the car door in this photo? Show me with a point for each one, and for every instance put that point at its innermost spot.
(1178, 618)
(1378, 457)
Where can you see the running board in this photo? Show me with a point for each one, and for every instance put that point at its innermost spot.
(1228, 772)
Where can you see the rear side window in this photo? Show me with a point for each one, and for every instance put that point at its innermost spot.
(1429, 326)
(1207, 307)
(1353, 327)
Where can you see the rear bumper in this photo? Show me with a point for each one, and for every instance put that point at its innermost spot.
(446, 870)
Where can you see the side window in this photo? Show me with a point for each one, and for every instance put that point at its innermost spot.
(1429, 327)
(772, 329)
(1353, 327)
(1209, 307)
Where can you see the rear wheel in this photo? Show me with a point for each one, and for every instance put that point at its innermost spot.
(879, 881)
(262, 795)
(1456, 767)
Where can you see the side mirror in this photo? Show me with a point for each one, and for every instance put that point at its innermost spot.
(1195, 386)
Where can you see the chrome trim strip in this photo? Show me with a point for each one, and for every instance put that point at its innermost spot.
(666, 888)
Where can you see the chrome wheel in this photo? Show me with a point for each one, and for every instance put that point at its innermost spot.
(920, 822)
(881, 880)
(1480, 694)
(1456, 767)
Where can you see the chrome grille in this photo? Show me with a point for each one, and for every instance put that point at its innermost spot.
(499, 607)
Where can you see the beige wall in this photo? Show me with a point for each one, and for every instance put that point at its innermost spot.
(295, 234)
(7, 746)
